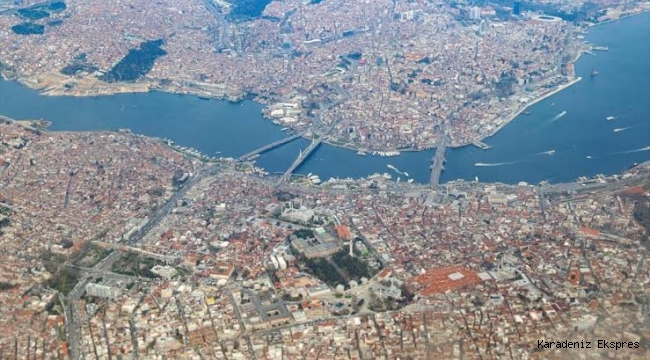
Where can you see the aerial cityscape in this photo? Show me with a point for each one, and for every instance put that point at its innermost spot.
(124, 239)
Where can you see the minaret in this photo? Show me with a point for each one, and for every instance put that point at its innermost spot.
(351, 249)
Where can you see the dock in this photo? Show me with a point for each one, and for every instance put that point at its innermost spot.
(270, 146)
(302, 157)
(438, 161)
(481, 145)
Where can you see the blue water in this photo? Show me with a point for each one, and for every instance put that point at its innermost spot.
(209, 126)
(622, 89)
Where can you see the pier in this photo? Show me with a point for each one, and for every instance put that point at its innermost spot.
(481, 145)
(270, 146)
(303, 155)
(438, 161)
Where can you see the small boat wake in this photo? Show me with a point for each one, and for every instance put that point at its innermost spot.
(397, 170)
(495, 164)
(557, 117)
(647, 148)
(621, 129)
(550, 152)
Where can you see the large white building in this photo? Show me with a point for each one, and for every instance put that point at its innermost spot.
(302, 215)
(475, 13)
(103, 291)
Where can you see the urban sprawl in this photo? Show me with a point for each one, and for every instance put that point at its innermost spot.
(120, 246)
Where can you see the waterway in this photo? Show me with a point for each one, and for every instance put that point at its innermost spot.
(584, 143)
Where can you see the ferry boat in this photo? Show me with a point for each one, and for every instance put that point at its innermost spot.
(610, 118)
(361, 153)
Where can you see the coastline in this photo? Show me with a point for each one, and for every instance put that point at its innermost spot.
(137, 88)
(54, 85)
(618, 18)
(530, 103)
(556, 89)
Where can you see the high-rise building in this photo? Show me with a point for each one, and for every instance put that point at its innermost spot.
(475, 13)
(483, 27)
(516, 9)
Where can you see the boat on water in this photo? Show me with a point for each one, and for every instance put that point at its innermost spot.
(619, 129)
(361, 153)
(526, 112)
(594, 73)
(558, 116)
(610, 118)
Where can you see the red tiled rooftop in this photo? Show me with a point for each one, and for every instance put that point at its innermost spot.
(343, 232)
(637, 190)
(590, 232)
(439, 281)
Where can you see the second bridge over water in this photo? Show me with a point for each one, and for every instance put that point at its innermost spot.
(270, 146)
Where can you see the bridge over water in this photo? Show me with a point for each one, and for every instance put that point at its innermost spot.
(270, 146)
(438, 161)
(303, 155)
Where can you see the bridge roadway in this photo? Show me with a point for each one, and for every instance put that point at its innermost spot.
(438, 161)
(270, 146)
(303, 155)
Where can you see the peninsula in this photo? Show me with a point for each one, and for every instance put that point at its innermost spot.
(375, 75)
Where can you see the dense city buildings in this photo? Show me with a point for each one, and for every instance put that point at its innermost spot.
(120, 246)
(217, 270)
(378, 75)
